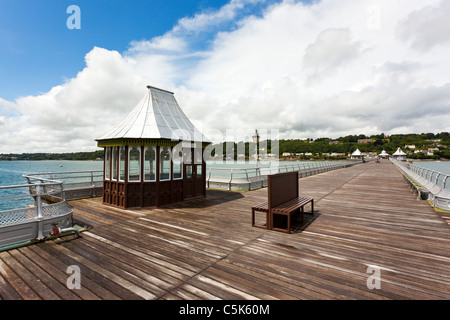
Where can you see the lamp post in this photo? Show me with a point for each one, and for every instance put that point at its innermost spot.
(256, 140)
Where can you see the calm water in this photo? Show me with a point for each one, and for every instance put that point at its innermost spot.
(439, 166)
(11, 174)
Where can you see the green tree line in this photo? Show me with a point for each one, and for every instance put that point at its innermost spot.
(345, 145)
(54, 156)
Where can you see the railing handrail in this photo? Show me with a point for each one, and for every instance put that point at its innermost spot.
(61, 172)
(256, 175)
(422, 170)
(28, 185)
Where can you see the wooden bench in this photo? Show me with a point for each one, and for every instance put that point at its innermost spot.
(262, 207)
(283, 202)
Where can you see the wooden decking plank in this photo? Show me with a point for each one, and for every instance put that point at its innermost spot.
(94, 273)
(314, 279)
(32, 282)
(245, 285)
(161, 278)
(393, 261)
(22, 289)
(57, 274)
(351, 267)
(130, 282)
(129, 264)
(159, 247)
(7, 292)
(189, 241)
(89, 289)
(45, 277)
(202, 294)
(261, 274)
(174, 267)
(201, 283)
(184, 295)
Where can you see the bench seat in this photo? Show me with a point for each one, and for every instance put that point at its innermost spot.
(283, 201)
(292, 205)
(288, 209)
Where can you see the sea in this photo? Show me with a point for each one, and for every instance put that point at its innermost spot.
(11, 174)
(439, 166)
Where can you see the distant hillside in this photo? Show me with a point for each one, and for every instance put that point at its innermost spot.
(417, 146)
(54, 156)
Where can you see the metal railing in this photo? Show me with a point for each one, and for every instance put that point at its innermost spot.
(429, 184)
(77, 184)
(243, 179)
(25, 221)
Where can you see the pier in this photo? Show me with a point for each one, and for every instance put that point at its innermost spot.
(368, 230)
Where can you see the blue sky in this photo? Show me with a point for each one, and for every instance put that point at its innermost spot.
(38, 51)
(307, 69)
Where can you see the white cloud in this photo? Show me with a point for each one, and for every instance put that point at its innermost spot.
(326, 69)
(426, 28)
(166, 43)
(332, 49)
(70, 116)
(204, 20)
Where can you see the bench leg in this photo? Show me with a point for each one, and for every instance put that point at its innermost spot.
(289, 223)
(253, 220)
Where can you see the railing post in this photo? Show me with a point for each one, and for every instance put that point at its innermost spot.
(437, 177)
(92, 184)
(258, 174)
(249, 183)
(40, 217)
(63, 193)
(209, 177)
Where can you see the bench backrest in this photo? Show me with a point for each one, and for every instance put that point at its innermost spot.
(282, 187)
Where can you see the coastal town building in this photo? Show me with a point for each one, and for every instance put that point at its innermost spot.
(384, 155)
(357, 155)
(399, 155)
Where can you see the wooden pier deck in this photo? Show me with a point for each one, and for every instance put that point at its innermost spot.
(207, 249)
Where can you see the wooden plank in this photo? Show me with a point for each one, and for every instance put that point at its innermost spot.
(22, 289)
(91, 273)
(7, 292)
(120, 277)
(58, 275)
(27, 280)
(47, 279)
(62, 263)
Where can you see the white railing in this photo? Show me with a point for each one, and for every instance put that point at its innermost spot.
(77, 184)
(243, 179)
(26, 213)
(429, 184)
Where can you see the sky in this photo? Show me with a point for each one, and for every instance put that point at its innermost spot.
(303, 69)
